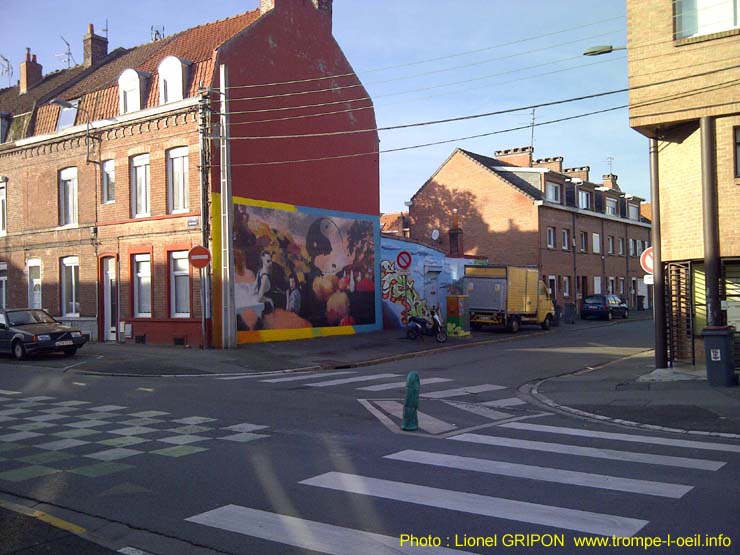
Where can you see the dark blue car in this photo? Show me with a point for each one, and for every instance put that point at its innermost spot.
(27, 331)
(604, 306)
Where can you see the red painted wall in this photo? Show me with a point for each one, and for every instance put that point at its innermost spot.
(294, 42)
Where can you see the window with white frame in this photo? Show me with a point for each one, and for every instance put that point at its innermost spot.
(109, 181)
(584, 241)
(552, 192)
(621, 286)
(610, 244)
(140, 186)
(552, 285)
(142, 286)
(34, 283)
(633, 212)
(620, 250)
(3, 285)
(3, 208)
(566, 239)
(179, 285)
(632, 247)
(596, 242)
(566, 286)
(584, 200)
(68, 196)
(704, 17)
(611, 286)
(71, 286)
(550, 237)
(177, 179)
(611, 207)
(129, 91)
(172, 78)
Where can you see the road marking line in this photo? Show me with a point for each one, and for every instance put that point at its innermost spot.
(426, 422)
(352, 380)
(44, 517)
(132, 551)
(628, 456)
(305, 534)
(467, 390)
(521, 511)
(476, 408)
(502, 403)
(6, 392)
(398, 385)
(544, 474)
(79, 384)
(307, 376)
(626, 437)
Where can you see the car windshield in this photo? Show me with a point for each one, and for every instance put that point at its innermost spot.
(25, 317)
(594, 300)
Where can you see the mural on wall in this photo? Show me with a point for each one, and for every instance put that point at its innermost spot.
(399, 289)
(302, 268)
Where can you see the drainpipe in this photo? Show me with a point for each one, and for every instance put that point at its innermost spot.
(659, 315)
(711, 225)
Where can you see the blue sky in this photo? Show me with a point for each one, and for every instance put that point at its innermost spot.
(378, 34)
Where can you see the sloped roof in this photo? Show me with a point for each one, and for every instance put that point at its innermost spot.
(510, 176)
(14, 103)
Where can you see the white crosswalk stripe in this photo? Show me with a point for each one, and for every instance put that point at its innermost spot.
(503, 403)
(522, 511)
(653, 440)
(306, 534)
(460, 391)
(306, 376)
(352, 380)
(399, 385)
(426, 422)
(545, 474)
(575, 450)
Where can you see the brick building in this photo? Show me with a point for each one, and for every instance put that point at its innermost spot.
(584, 237)
(104, 190)
(684, 97)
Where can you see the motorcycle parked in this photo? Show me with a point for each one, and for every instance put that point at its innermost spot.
(421, 326)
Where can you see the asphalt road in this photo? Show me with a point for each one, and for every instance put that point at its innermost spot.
(307, 463)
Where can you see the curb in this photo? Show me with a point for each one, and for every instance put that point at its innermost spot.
(532, 388)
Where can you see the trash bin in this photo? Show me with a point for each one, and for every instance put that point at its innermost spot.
(720, 355)
(558, 313)
(640, 302)
(569, 317)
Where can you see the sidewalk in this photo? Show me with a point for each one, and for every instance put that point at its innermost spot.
(626, 392)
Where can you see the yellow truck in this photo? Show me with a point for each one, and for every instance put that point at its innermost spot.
(507, 296)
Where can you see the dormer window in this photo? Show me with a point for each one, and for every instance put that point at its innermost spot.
(68, 116)
(130, 91)
(173, 76)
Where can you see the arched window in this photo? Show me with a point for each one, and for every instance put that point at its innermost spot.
(131, 86)
(173, 78)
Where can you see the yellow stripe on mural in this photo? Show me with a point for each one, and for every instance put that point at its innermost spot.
(266, 204)
(259, 336)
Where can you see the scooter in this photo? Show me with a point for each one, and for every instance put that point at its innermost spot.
(421, 326)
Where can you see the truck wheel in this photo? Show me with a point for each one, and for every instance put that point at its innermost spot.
(547, 324)
(19, 351)
(514, 324)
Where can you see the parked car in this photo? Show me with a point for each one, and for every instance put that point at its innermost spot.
(27, 331)
(604, 306)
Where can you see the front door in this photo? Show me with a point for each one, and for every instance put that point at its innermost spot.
(110, 299)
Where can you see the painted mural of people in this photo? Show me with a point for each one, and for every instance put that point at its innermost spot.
(263, 285)
(293, 295)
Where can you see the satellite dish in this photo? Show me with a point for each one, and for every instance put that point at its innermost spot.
(435, 234)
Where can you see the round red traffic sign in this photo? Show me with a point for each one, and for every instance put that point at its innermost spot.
(403, 259)
(199, 257)
(646, 260)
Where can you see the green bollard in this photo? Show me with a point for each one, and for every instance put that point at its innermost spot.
(410, 422)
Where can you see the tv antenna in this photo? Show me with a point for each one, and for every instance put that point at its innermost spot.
(610, 162)
(6, 68)
(157, 32)
(105, 29)
(531, 138)
(68, 57)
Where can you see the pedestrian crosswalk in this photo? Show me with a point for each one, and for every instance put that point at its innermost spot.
(513, 475)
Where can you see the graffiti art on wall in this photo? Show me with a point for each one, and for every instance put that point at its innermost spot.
(299, 268)
(399, 289)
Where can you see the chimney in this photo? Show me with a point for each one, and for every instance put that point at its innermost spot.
(521, 156)
(30, 73)
(580, 173)
(555, 163)
(456, 237)
(94, 46)
(610, 180)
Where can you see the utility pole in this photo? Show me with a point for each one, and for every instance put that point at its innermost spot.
(228, 310)
(203, 128)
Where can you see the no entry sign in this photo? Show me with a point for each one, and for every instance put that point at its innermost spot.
(403, 260)
(199, 257)
(646, 260)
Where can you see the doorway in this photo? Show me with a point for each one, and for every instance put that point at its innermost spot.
(109, 284)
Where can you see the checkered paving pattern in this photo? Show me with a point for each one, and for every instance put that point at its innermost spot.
(41, 436)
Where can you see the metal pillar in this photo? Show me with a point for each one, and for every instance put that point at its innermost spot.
(228, 310)
(659, 298)
(711, 225)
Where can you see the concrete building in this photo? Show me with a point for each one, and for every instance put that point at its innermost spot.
(104, 191)
(684, 96)
(584, 237)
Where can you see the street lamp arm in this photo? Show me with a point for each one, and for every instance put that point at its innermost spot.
(602, 49)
